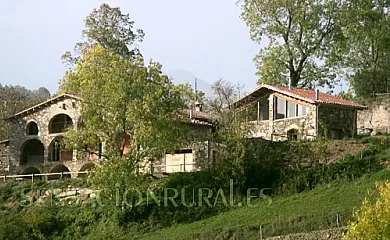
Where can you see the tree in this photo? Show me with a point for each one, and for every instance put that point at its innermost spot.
(125, 103)
(366, 52)
(372, 220)
(229, 132)
(300, 35)
(111, 29)
(225, 94)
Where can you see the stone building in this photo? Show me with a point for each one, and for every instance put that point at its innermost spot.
(376, 118)
(35, 141)
(280, 113)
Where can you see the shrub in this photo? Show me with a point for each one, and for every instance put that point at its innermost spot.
(372, 220)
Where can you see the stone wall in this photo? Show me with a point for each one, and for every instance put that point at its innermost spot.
(339, 121)
(277, 129)
(4, 158)
(42, 117)
(376, 117)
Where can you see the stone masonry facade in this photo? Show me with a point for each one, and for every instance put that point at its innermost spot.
(376, 117)
(42, 117)
(38, 147)
(4, 157)
(339, 121)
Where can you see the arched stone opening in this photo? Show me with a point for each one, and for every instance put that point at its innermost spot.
(32, 128)
(59, 169)
(86, 168)
(292, 134)
(60, 123)
(58, 152)
(32, 152)
(31, 170)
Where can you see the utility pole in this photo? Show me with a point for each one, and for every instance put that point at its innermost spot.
(196, 89)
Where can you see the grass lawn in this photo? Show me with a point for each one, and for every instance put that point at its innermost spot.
(303, 212)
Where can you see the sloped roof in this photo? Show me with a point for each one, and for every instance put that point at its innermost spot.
(198, 117)
(307, 95)
(45, 103)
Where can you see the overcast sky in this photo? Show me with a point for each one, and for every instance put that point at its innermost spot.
(204, 39)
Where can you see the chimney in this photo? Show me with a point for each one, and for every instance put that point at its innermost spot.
(317, 94)
(198, 106)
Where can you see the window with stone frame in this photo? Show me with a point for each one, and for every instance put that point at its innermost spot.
(264, 110)
(302, 110)
(280, 108)
(291, 109)
(32, 128)
(252, 112)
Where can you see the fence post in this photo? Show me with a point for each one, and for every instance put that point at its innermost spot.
(32, 178)
(338, 220)
(261, 233)
(62, 175)
(5, 178)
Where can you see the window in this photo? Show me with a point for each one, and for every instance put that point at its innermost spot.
(32, 128)
(252, 112)
(291, 109)
(60, 123)
(302, 110)
(280, 108)
(292, 135)
(264, 110)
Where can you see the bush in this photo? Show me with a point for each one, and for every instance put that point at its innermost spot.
(348, 168)
(372, 220)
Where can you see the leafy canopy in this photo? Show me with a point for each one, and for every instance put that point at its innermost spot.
(111, 29)
(365, 49)
(299, 35)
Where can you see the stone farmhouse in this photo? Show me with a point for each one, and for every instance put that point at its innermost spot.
(283, 113)
(34, 144)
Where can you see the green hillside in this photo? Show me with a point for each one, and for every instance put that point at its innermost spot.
(313, 210)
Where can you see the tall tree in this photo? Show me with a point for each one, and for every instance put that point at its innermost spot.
(366, 52)
(299, 34)
(125, 103)
(111, 29)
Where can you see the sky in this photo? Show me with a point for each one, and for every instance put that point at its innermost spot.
(203, 39)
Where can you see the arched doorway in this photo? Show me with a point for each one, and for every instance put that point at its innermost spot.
(32, 152)
(292, 134)
(59, 169)
(57, 151)
(31, 170)
(60, 123)
(86, 168)
(32, 128)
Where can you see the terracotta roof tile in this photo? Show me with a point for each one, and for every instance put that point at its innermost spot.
(308, 95)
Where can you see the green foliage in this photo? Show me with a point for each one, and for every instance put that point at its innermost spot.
(365, 50)
(347, 169)
(113, 30)
(299, 34)
(371, 221)
(304, 212)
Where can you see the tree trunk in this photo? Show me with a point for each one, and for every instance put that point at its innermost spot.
(294, 78)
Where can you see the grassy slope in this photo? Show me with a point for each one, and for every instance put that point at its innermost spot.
(308, 211)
